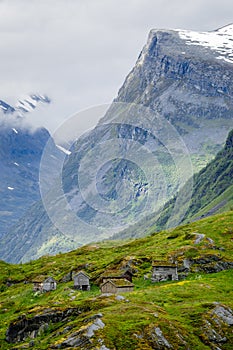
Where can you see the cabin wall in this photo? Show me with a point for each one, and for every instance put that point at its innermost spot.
(108, 288)
(161, 273)
(47, 286)
(81, 282)
(124, 289)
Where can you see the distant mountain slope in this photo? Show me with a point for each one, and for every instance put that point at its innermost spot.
(212, 192)
(21, 149)
(208, 184)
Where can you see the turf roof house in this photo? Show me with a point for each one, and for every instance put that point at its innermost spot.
(43, 284)
(81, 281)
(127, 274)
(116, 286)
(164, 271)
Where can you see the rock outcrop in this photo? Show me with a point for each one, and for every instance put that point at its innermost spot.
(25, 327)
(217, 327)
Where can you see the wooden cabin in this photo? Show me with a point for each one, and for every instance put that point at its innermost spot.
(38, 284)
(42, 284)
(49, 284)
(164, 271)
(81, 281)
(110, 275)
(116, 286)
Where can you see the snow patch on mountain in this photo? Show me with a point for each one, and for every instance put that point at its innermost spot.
(29, 103)
(24, 105)
(220, 40)
(6, 108)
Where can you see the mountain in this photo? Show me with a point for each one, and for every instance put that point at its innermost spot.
(193, 312)
(21, 149)
(170, 118)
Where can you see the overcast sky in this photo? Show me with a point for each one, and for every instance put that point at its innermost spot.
(79, 52)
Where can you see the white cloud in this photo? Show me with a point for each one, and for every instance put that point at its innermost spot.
(79, 51)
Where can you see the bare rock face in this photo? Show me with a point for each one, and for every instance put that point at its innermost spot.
(25, 327)
(217, 327)
(82, 338)
(160, 340)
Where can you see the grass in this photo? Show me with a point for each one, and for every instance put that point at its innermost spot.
(178, 308)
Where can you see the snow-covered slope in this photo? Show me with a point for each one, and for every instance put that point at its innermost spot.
(5, 107)
(30, 102)
(220, 41)
(25, 104)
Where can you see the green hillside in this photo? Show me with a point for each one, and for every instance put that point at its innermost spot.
(212, 193)
(194, 312)
(208, 184)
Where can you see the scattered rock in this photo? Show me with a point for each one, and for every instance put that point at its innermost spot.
(212, 335)
(94, 327)
(216, 328)
(120, 297)
(211, 241)
(82, 338)
(209, 264)
(224, 313)
(199, 238)
(77, 339)
(160, 340)
(187, 263)
(43, 328)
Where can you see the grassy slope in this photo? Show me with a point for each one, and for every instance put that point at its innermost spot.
(223, 203)
(179, 304)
